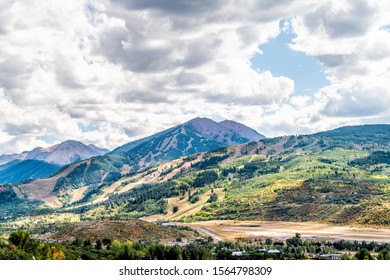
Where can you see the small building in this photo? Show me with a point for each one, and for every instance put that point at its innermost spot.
(276, 252)
(330, 257)
(238, 253)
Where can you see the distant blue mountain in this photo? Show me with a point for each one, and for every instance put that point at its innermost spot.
(61, 154)
(18, 171)
(43, 162)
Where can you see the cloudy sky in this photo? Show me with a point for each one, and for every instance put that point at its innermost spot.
(111, 71)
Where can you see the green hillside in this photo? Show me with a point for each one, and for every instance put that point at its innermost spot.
(197, 135)
(322, 177)
(339, 176)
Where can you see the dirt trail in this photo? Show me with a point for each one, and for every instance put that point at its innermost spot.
(209, 232)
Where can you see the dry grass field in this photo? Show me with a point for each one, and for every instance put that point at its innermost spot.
(229, 230)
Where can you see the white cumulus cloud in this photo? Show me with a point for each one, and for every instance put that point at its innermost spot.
(108, 72)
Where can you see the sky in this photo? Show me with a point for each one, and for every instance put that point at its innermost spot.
(108, 72)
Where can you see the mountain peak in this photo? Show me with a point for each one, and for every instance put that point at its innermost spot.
(242, 130)
(71, 142)
(211, 129)
(227, 132)
(198, 121)
(64, 153)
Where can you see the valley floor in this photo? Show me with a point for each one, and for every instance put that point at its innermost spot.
(229, 230)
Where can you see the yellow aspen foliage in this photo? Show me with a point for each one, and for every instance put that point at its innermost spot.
(129, 244)
(58, 255)
(115, 244)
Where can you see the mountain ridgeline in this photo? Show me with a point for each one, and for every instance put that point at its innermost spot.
(338, 176)
(61, 154)
(195, 136)
(43, 162)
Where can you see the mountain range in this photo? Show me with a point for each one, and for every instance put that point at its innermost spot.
(88, 168)
(194, 136)
(42, 162)
(61, 154)
(208, 170)
(340, 176)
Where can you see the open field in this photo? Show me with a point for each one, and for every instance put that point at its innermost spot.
(229, 230)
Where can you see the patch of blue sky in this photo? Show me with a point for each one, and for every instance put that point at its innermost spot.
(386, 28)
(50, 139)
(88, 127)
(280, 60)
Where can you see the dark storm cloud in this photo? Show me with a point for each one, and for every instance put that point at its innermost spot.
(174, 6)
